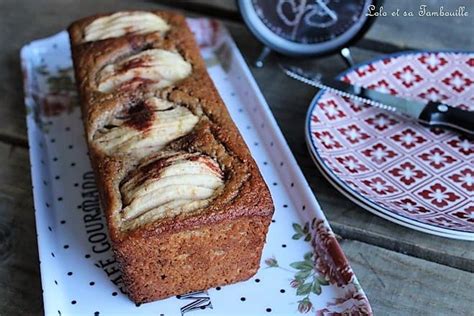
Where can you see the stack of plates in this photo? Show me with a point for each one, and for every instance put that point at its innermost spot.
(396, 168)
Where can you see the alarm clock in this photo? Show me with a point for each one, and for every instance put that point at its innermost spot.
(306, 27)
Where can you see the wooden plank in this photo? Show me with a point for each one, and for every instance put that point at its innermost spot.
(228, 5)
(425, 32)
(19, 279)
(397, 284)
(20, 287)
(223, 10)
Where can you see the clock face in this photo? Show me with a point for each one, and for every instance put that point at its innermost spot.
(310, 21)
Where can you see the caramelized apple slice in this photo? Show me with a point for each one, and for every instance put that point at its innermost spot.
(158, 68)
(124, 23)
(170, 184)
(147, 126)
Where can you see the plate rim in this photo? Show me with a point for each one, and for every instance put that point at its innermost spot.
(359, 199)
(374, 211)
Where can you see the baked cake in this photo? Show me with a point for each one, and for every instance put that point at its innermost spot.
(186, 206)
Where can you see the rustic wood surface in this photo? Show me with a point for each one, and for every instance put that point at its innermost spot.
(404, 272)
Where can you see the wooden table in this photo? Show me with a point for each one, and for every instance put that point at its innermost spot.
(403, 272)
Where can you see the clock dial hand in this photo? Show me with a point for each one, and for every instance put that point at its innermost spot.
(326, 9)
(320, 15)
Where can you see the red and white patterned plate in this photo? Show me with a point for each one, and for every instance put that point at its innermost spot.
(418, 177)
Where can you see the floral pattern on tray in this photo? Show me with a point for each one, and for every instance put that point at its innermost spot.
(324, 265)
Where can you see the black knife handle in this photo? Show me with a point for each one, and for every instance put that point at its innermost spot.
(438, 114)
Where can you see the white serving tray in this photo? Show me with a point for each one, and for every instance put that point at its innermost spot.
(303, 268)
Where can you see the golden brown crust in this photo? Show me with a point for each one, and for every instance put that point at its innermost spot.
(192, 260)
(245, 200)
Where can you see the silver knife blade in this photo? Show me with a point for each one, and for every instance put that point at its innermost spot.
(357, 93)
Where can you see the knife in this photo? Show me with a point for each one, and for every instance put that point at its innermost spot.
(433, 114)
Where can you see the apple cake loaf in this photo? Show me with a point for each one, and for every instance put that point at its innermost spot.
(186, 206)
